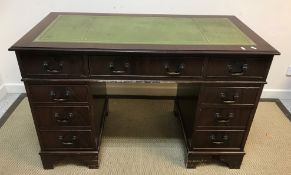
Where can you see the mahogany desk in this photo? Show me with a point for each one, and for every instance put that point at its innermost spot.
(219, 64)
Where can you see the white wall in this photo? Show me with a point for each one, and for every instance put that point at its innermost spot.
(269, 18)
(1, 82)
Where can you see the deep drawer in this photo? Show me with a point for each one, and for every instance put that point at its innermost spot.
(151, 66)
(51, 117)
(223, 117)
(217, 139)
(58, 93)
(229, 95)
(238, 67)
(67, 140)
(53, 65)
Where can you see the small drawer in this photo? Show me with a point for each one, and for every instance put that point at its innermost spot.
(238, 67)
(53, 65)
(148, 66)
(230, 95)
(52, 117)
(217, 139)
(67, 140)
(223, 117)
(58, 93)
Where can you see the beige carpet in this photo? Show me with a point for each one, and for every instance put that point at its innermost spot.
(141, 137)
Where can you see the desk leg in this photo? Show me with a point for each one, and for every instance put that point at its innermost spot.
(232, 159)
(47, 162)
(50, 159)
(233, 162)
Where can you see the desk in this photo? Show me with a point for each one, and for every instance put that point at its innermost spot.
(219, 64)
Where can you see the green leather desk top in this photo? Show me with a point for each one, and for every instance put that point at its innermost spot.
(143, 30)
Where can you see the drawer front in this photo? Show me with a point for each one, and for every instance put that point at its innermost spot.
(58, 93)
(67, 140)
(146, 66)
(230, 95)
(51, 117)
(235, 67)
(223, 117)
(217, 139)
(52, 65)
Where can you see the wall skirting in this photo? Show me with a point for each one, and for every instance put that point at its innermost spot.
(267, 93)
(3, 91)
(15, 88)
(277, 93)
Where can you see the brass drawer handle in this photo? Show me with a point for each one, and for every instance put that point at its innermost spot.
(65, 140)
(112, 68)
(178, 71)
(217, 141)
(63, 119)
(65, 97)
(235, 70)
(53, 66)
(223, 119)
(229, 101)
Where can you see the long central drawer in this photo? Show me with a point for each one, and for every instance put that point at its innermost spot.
(148, 66)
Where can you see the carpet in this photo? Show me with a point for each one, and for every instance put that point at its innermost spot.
(143, 137)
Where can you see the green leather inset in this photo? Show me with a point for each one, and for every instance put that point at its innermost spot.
(143, 30)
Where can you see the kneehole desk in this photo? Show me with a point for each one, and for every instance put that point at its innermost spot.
(219, 64)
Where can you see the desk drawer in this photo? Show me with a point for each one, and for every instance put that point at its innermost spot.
(223, 117)
(53, 65)
(149, 66)
(67, 139)
(238, 67)
(52, 117)
(217, 139)
(58, 93)
(230, 95)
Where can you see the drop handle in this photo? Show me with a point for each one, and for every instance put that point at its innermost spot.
(223, 119)
(241, 70)
(63, 119)
(53, 67)
(54, 97)
(232, 100)
(65, 141)
(218, 141)
(114, 71)
(178, 71)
